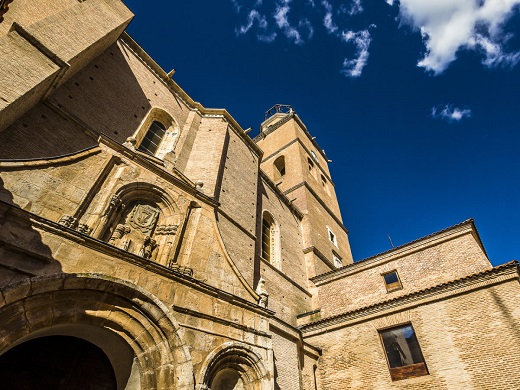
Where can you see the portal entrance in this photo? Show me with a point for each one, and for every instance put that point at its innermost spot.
(56, 363)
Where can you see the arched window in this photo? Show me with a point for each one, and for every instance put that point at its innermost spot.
(279, 168)
(152, 138)
(271, 251)
(157, 134)
(310, 164)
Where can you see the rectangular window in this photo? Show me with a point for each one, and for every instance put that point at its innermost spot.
(392, 282)
(337, 261)
(332, 237)
(403, 353)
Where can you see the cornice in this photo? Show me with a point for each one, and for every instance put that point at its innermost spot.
(320, 201)
(102, 247)
(156, 166)
(281, 194)
(496, 275)
(308, 152)
(46, 161)
(318, 253)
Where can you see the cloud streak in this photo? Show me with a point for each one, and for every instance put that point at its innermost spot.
(450, 113)
(276, 18)
(361, 39)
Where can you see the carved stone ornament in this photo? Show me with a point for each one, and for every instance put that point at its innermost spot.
(143, 217)
(84, 228)
(148, 246)
(166, 229)
(114, 203)
(262, 292)
(4, 7)
(68, 221)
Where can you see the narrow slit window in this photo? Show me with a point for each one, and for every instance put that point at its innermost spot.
(153, 138)
(266, 240)
(392, 281)
(403, 353)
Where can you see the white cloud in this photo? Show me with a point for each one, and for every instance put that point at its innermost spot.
(450, 25)
(253, 16)
(282, 21)
(355, 8)
(277, 18)
(361, 39)
(450, 113)
(327, 19)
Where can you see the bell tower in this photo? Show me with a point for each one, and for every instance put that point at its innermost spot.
(298, 166)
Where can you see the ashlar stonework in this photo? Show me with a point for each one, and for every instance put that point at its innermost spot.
(180, 253)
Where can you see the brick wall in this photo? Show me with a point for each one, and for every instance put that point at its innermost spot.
(421, 266)
(469, 341)
(287, 370)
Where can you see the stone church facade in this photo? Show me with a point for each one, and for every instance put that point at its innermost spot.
(148, 242)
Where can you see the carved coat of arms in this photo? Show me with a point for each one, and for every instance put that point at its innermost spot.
(143, 217)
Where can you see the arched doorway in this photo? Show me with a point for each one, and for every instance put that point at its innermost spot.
(56, 363)
(234, 366)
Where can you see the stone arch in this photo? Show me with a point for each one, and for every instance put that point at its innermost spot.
(239, 362)
(172, 130)
(271, 241)
(153, 237)
(122, 319)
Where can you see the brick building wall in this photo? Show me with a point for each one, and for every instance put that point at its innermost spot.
(442, 258)
(464, 346)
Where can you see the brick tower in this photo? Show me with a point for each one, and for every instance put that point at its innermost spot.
(298, 166)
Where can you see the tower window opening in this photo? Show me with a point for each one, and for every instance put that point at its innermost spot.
(332, 237)
(153, 138)
(314, 157)
(311, 164)
(279, 168)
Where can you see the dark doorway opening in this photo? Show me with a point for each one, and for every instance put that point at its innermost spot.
(56, 363)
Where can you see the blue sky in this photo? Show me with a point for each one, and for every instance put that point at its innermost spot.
(416, 102)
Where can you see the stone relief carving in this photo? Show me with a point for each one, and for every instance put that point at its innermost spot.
(262, 292)
(134, 233)
(166, 229)
(114, 204)
(68, 221)
(143, 217)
